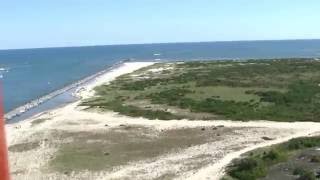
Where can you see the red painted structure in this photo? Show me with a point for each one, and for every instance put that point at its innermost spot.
(4, 167)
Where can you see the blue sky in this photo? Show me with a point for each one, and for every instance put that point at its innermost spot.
(55, 23)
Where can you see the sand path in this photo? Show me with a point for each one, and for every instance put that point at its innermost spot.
(206, 160)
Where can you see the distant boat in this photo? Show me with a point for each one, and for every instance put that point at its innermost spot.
(156, 54)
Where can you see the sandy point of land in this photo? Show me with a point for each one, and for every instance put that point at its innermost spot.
(87, 90)
(70, 143)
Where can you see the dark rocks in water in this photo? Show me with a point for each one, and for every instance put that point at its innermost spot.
(203, 129)
(220, 126)
(106, 153)
(218, 134)
(267, 138)
(127, 127)
(66, 173)
(121, 125)
(106, 125)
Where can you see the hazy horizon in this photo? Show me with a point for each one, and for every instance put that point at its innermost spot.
(258, 40)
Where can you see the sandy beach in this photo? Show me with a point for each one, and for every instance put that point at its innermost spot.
(134, 148)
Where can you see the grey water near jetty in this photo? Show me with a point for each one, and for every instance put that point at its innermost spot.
(29, 74)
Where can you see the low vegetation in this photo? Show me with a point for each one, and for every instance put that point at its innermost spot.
(304, 174)
(278, 90)
(134, 111)
(106, 150)
(256, 164)
(23, 147)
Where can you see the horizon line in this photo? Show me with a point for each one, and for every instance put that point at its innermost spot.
(120, 44)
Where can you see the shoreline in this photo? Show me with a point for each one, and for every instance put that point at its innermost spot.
(65, 119)
(77, 85)
(71, 88)
(86, 90)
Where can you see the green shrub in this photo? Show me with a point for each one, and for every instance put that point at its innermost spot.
(256, 165)
(274, 155)
(247, 169)
(298, 171)
(300, 143)
(294, 94)
(304, 174)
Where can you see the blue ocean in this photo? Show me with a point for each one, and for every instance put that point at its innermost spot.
(28, 74)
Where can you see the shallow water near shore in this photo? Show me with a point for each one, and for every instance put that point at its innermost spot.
(55, 102)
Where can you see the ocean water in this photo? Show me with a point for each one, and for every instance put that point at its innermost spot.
(31, 73)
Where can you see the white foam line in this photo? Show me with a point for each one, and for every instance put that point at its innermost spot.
(81, 83)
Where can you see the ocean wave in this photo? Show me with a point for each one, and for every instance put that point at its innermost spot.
(3, 70)
(78, 84)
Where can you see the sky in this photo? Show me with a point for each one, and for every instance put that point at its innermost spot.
(61, 23)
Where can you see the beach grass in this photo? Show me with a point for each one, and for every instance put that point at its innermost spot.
(38, 121)
(97, 151)
(23, 147)
(278, 90)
